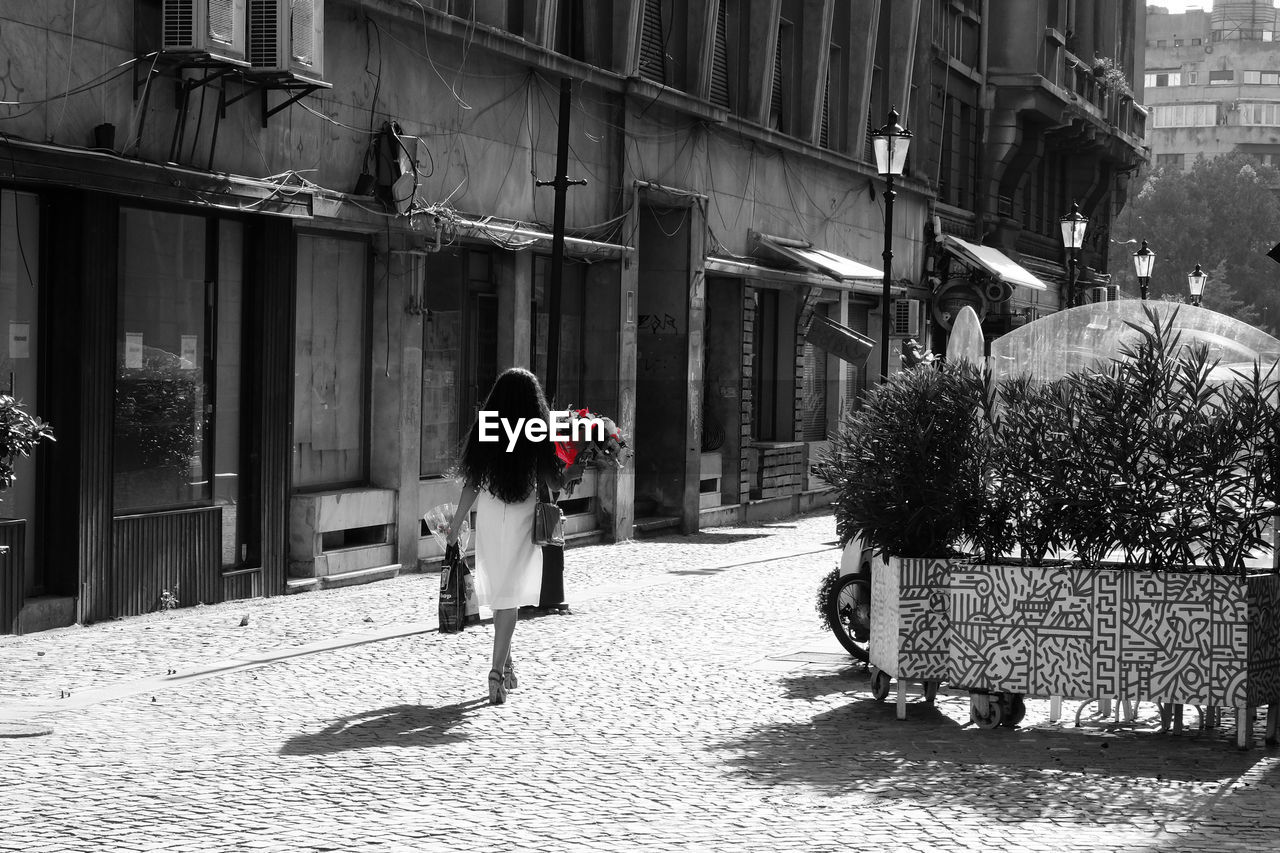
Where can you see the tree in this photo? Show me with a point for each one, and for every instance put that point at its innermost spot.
(1222, 214)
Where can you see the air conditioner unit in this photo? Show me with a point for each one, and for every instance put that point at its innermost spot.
(209, 27)
(1099, 294)
(905, 317)
(287, 37)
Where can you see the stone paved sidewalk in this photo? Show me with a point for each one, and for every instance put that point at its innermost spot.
(690, 703)
(51, 664)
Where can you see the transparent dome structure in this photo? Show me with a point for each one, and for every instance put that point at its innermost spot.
(1091, 336)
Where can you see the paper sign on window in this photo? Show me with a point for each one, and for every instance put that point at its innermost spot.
(189, 352)
(19, 340)
(133, 350)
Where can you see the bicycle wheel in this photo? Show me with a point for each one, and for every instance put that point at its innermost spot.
(849, 612)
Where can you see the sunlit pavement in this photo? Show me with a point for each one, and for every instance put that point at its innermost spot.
(691, 702)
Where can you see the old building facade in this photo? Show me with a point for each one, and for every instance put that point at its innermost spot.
(1211, 82)
(261, 259)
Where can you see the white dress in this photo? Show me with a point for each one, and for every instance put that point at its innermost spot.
(508, 564)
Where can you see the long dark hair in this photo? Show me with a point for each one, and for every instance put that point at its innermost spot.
(509, 476)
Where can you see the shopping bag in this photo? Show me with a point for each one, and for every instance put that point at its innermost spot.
(453, 591)
(437, 521)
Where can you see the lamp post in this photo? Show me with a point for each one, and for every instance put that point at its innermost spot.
(1143, 260)
(1073, 225)
(1195, 282)
(890, 144)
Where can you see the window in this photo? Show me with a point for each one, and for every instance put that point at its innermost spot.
(1260, 115)
(1161, 43)
(1172, 162)
(720, 94)
(1160, 80)
(19, 362)
(1185, 115)
(1193, 78)
(179, 316)
(509, 15)
(583, 30)
(459, 351)
(782, 94)
(1196, 42)
(1251, 77)
(774, 379)
(330, 390)
(1265, 78)
(653, 47)
(1218, 77)
(1177, 42)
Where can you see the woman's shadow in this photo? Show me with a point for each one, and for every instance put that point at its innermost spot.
(398, 725)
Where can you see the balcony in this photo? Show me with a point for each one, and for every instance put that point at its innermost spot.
(1065, 89)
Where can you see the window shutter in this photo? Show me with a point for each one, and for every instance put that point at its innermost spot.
(824, 134)
(720, 61)
(653, 55)
(775, 92)
(814, 401)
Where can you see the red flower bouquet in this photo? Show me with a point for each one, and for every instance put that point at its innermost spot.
(597, 437)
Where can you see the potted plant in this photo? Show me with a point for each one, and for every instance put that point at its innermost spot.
(1166, 482)
(907, 472)
(20, 432)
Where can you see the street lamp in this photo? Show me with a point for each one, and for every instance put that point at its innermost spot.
(890, 144)
(1073, 225)
(1195, 281)
(1143, 260)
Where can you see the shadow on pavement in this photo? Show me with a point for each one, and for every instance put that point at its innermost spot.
(861, 748)
(704, 537)
(398, 725)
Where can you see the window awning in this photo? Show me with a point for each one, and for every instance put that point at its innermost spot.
(839, 340)
(767, 276)
(993, 261)
(820, 260)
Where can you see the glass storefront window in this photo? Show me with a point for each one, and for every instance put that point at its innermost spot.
(160, 456)
(330, 388)
(459, 352)
(19, 278)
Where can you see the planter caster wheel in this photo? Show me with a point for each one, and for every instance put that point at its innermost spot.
(992, 716)
(1012, 709)
(880, 686)
(930, 691)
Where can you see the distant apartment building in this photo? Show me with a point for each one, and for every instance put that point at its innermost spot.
(1212, 82)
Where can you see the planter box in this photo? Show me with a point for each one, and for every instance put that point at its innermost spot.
(1193, 639)
(910, 628)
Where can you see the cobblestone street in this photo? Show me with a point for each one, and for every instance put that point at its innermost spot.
(691, 702)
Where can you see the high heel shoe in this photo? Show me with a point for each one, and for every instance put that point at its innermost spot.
(509, 680)
(497, 690)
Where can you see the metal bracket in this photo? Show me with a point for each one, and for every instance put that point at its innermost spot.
(302, 90)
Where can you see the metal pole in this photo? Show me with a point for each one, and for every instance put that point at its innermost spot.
(561, 184)
(888, 275)
(1071, 278)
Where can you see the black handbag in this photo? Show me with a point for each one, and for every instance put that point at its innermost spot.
(548, 519)
(453, 590)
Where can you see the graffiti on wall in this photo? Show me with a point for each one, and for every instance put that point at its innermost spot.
(1088, 633)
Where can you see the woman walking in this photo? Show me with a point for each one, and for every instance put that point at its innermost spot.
(502, 482)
